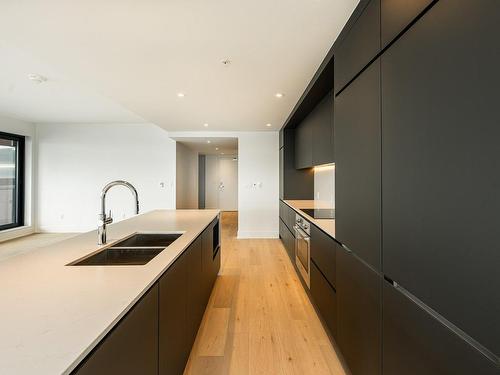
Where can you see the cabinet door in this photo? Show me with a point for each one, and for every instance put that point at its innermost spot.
(288, 240)
(416, 343)
(282, 173)
(325, 299)
(358, 166)
(359, 314)
(173, 329)
(195, 290)
(207, 259)
(397, 14)
(132, 346)
(303, 146)
(323, 249)
(440, 164)
(321, 120)
(361, 44)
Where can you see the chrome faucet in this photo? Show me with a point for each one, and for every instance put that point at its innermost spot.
(107, 219)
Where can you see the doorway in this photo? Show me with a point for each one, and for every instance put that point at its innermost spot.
(217, 172)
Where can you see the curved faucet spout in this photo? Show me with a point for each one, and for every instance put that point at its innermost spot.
(103, 219)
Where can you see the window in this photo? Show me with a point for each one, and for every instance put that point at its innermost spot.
(11, 181)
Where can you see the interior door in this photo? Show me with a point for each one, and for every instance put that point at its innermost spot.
(228, 184)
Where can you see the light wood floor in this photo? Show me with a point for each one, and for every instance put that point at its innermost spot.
(259, 319)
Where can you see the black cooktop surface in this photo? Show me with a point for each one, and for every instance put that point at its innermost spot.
(320, 213)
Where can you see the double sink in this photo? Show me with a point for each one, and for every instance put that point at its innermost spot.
(135, 250)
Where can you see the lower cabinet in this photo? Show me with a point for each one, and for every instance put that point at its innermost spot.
(288, 240)
(174, 347)
(210, 259)
(157, 334)
(359, 314)
(416, 343)
(325, 298)
(323, 250)
(195, 290)
(132, 346)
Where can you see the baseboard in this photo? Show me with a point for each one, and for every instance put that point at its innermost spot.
(242, 234)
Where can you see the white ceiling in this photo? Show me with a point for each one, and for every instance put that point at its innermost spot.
(210, 145)
(135, 56)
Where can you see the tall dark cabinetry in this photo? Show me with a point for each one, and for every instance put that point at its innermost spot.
(357, 169)
(440, 164)
(358, 314)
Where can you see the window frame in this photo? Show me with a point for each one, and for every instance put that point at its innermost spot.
(20, 186)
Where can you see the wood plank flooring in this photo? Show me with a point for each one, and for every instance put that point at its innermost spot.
(259, 319)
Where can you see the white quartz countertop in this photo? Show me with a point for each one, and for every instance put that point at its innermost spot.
(326, 225)
(52, 315)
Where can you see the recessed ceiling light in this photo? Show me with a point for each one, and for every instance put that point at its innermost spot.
(209, 141)
(222, 153)
(225, 62)
(268, 125)
(180, 94)
(279, 95)
(205, 125)
(37, 78)
(217, 149)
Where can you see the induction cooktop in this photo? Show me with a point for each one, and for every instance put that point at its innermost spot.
(320, 213)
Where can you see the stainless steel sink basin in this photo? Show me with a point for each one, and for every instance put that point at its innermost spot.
(148, 240)
(135, 250)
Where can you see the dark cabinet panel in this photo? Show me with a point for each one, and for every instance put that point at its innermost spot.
(397, 14)
(174, 347)
(195, 290)
(132, 346)
(288, 240)
(415, 343)
(294, 183)
(358, 166)
(323, 249)
(440, 164)
(359, 314)
(361, 44)
(325, 299)
(210, 259)
(314, 136)
(321, 120)
(303, 145)
(287, 214)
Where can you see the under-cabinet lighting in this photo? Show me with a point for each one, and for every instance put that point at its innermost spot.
(324, 167)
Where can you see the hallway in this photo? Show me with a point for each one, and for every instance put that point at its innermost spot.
(259, 319)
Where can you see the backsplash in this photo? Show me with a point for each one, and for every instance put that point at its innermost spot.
(324, 184)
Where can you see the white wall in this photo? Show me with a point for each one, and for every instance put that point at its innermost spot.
(324, 185)
(258, 162)
(186, 177)
(258, 185)
(10, 125)
(76, 161)
(211, 181)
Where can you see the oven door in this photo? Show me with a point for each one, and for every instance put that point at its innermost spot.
(302, 254)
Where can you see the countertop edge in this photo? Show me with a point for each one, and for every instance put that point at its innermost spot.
(310, 219)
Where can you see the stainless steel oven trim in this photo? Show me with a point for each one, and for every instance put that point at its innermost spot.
(301, 235)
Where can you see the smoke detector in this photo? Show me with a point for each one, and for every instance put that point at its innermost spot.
(37, 78)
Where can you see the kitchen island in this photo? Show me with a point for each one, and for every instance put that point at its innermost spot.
(53, 315)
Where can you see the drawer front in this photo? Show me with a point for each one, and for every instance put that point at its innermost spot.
(323, 249)
(325, 299)
(288, 240)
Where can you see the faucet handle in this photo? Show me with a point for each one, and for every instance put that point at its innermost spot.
(108, 219)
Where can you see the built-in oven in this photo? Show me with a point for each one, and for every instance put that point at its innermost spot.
(303, 248)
